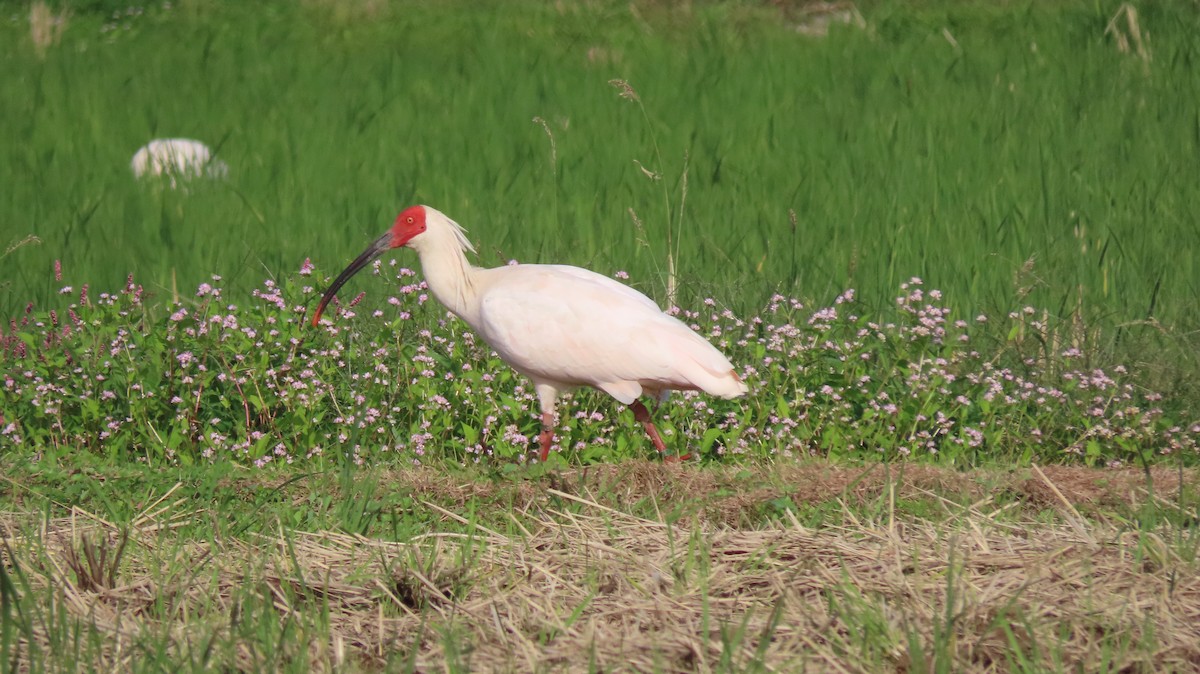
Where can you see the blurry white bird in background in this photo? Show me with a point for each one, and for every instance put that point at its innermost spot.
(177, 159)
(561, 326)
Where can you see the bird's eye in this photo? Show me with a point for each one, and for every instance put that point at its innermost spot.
(409, 219)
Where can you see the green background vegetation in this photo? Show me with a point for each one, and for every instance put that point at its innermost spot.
(954, 143)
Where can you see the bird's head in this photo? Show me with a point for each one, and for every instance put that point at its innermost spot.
(409, 225)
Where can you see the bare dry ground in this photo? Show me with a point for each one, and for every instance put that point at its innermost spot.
(578, 579)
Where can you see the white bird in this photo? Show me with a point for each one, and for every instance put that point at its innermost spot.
(560, 326)
(177, 159)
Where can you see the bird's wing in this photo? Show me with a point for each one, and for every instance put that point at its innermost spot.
(590, 279)
(571, 326)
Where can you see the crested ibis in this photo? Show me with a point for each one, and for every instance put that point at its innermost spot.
(560, 326)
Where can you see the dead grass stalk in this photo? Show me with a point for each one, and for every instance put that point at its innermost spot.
(585, 584)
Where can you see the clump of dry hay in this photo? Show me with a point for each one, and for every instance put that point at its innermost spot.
(583, 585)
(813, 18)
(46, 27)
(1130, 38)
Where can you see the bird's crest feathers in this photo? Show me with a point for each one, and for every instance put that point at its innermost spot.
(460, 234)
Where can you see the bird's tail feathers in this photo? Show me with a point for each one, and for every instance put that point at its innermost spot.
(710, 371)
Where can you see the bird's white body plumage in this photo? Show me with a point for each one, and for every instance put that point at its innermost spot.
(565, 327)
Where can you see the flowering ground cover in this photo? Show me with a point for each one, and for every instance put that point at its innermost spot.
(221, 378)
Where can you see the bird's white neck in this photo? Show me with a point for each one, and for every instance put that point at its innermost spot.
(448, 273)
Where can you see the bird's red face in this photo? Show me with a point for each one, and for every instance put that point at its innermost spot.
(408, 224)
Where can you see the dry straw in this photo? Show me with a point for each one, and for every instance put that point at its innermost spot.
(45, 26)
(1130, 38)
(581, 586)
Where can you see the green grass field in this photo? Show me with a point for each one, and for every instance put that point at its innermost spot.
(196, 479)
(1006, 156)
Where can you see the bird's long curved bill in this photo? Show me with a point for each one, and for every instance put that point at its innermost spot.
(381, 246)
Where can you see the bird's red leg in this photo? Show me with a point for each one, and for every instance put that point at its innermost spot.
(643, 415)
(547, 435)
